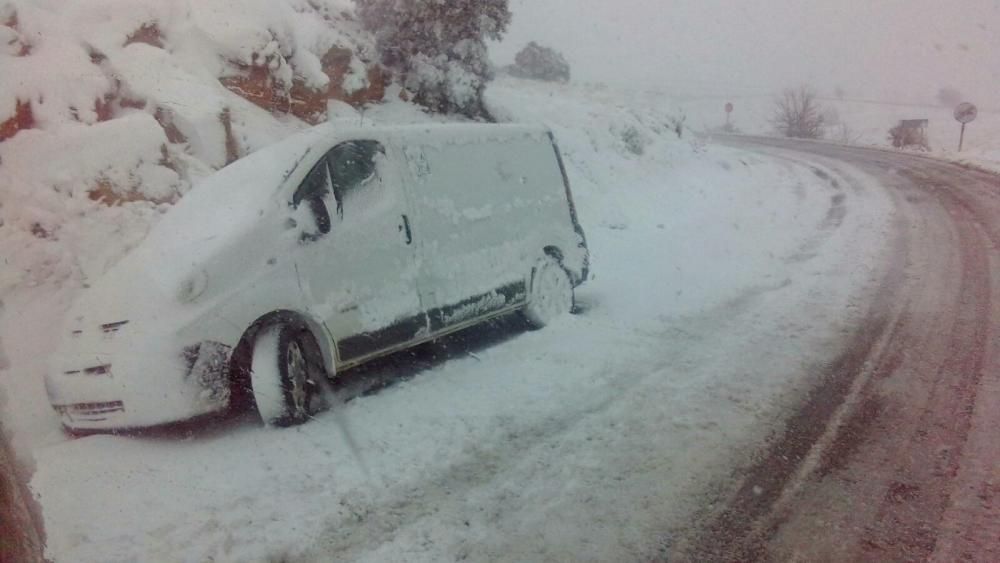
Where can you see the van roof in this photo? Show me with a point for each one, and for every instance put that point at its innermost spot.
(431, 132)
(231, 198)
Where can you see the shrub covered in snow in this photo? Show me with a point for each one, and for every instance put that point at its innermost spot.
(540, 63)
(438, 48)
(798, 114)
(634, 141)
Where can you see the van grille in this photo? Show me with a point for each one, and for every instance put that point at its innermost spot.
(104, 369)
(90, 412)
(113, 327)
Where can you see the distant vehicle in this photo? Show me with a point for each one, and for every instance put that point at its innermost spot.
(315, 255)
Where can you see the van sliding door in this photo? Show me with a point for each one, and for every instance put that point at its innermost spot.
(470, 256)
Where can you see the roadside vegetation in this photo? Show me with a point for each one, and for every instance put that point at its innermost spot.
(798, 114)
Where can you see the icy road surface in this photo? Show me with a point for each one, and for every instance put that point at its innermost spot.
(723, 289)
(896, 457)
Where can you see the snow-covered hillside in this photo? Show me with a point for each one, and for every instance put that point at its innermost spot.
(863, 123)
(132, 102)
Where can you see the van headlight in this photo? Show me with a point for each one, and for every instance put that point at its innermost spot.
(192, 287)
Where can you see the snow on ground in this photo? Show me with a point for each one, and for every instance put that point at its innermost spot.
(865, 123)
(722, 281)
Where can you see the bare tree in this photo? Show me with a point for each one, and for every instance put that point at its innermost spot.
(798, 114)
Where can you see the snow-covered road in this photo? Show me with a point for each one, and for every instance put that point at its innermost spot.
(895, 456)
(722, 288)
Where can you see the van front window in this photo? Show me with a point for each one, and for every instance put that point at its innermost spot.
(314, 189)
(352, 164)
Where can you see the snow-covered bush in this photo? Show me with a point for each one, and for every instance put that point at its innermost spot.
(797, 114)
(634, 141)
(540, 63)
(438, 47)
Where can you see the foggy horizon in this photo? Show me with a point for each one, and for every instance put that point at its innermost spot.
(894, 51)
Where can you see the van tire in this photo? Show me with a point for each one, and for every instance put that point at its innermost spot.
(550, 293)
(286, 386)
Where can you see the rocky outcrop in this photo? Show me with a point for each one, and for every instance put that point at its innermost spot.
(261, 83)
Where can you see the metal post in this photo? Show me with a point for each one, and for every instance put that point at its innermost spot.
(961, 138)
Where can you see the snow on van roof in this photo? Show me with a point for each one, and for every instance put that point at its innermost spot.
(229, 202)
(443, 132)
(265, 171)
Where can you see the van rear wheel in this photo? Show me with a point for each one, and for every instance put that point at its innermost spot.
(550, 295)
(285, 382)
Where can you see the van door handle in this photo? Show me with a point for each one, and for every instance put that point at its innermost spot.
(406, 226)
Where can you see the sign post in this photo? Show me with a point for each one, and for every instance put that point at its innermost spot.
(964, 113)
(729, 110)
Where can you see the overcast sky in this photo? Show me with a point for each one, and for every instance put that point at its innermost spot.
(892, 50)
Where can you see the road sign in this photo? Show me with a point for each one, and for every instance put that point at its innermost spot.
(729, 107)
(964, 113)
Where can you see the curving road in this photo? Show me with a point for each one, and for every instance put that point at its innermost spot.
(896, 455)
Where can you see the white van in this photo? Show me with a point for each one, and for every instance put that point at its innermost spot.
(315, 255)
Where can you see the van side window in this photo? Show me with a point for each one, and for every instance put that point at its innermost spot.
(312, 191)
(352, 165)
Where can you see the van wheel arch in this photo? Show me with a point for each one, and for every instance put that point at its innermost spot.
(549, 290)
(241, 390)
(554, 252)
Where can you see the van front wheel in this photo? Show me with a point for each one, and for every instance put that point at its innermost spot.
(284, 382)
(550, 295)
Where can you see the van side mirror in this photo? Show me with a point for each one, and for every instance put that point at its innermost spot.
(310, 218)
(321, 218)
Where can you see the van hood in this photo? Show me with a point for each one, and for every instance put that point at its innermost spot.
(224, 203)
(219, 214)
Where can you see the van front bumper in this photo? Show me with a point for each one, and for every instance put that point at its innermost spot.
(138, 389)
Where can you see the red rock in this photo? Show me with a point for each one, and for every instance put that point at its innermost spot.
(149, 33)
(24, 48)
(256, 85)
(104, 107)
(21, 120)
(308, 104)
(232, 146)
(165, 118)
